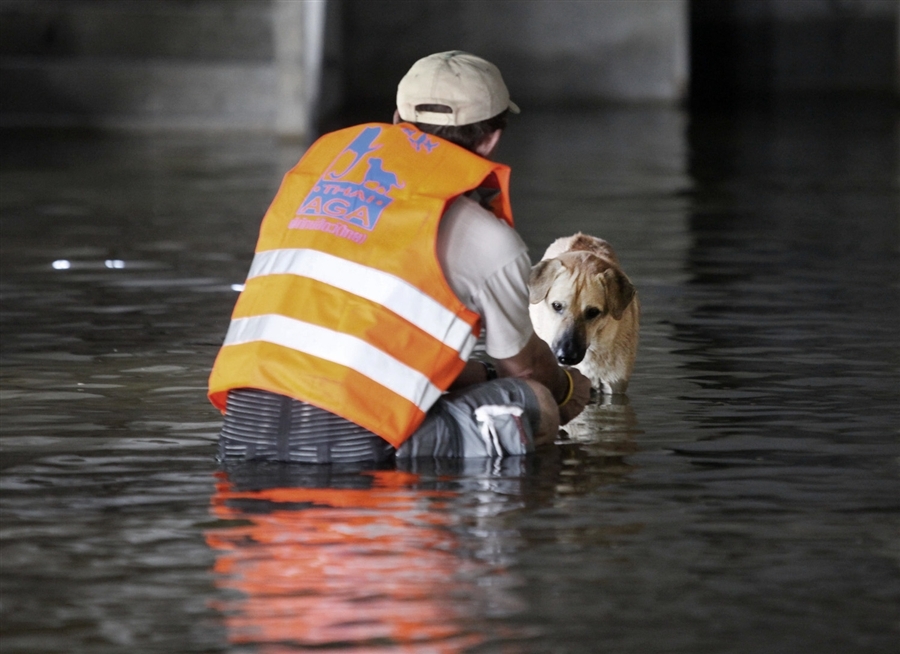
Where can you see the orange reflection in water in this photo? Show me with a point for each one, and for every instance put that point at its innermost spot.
(350, 568)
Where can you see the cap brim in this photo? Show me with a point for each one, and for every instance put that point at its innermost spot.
(514, 108)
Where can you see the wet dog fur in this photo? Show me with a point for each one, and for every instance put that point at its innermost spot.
(585, 307)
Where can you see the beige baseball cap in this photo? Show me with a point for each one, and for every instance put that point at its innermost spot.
(467, 88)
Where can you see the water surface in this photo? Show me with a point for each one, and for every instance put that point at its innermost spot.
(744, 497)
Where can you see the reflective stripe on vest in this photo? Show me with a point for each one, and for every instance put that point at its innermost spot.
(338, 348)
(399, 296)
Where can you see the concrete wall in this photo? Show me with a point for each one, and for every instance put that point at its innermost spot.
(253, 64)
(207, 64)
(274, 64)
(551, 52)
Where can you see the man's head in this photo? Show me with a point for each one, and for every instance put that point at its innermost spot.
(457, 96)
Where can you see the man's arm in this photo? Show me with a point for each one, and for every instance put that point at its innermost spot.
(536, 361)
(475, 372)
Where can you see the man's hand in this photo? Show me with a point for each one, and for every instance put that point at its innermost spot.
(537, 362)
(581, 395)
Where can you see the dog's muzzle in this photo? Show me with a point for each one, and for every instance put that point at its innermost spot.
(569, 349)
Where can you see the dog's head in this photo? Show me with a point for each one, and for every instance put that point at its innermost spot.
(580, 293)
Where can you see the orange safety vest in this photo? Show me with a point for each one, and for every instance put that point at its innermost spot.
(346, 306)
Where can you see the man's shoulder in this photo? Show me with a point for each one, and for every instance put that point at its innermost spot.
(467, 219)
(473, 244)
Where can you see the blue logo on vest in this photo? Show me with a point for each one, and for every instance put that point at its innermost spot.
(340, 193)
(420, 141)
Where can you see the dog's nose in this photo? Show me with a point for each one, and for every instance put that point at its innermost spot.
(569, 349)
(569, 356)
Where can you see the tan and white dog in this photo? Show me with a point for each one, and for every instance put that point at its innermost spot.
(585, 307)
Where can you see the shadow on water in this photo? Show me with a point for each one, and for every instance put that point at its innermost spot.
(742, 498)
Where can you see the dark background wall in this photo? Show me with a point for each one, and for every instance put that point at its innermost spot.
(135, 63)
(220, 64)
(551, 53)
(742, 49)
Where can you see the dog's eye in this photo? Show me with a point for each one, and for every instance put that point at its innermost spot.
(556, 306)
(592, 312)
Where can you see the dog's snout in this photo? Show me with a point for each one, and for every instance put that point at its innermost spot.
(569, 352)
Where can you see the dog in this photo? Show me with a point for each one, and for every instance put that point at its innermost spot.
(587, 310)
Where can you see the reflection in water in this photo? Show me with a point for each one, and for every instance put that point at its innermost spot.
(401, 560)
(795, 324)
(323, 559)
(606, 427)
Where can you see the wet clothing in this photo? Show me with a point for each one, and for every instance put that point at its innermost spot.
(346, 227)
(494, 419)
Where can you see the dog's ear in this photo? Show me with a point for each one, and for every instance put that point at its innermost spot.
(619, 291)
(541, 278)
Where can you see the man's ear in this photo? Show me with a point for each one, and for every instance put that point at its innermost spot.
(396, 116)
(488, 144)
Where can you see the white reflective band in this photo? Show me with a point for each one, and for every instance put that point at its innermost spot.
(338, 348)
(380, 287)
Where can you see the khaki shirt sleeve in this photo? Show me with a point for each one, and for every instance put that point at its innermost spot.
(503, 302)
(486, 264)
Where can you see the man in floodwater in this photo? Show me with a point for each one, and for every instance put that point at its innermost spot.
(385, 251)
